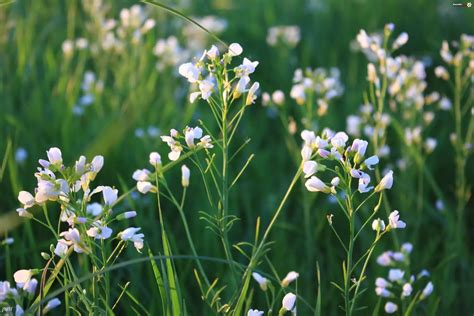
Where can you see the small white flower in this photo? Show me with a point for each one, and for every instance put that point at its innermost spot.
(401, 40)
(235, 49)
(144, 186)
(155, 159)
(381, 282)
(54, 156)
(309, 168)
(398, 256)
(386, 182)
(206, 142)
(254, 312)
(335, 181)
(378, 225)
(314, 184)
(141, 175)
(278, 97)
(262, 281)
(213, 53)
(19, 311)
(394, 221)
(390, 308)
(26, 199)
(95, 209)
(61, 248)
(190, 72)
(22, 276)
(371, 161)
(289, 302)
(130, 234)
(306, 153)
(385, 259)
(192, 133)
(407, 247)
(427, 290)
(290, 277)
(339, 140)
(395, 274)
(55, 302)
(382, 292)
(99, 231)
(185, 174)
(407, 289)
(251, 96)
(110, 195)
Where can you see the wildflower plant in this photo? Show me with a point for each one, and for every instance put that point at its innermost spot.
(401, 290)
(332, 166)
(82, 227)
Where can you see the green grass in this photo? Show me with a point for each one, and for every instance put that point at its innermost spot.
(39, 88)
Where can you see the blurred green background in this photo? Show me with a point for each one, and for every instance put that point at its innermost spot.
(39, 88)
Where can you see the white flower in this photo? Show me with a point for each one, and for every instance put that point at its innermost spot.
(99, 231)
(385, 259)
(185, 174)
(262, 281)
(51, 190)
(386, 182)
(335, 181)
(407, 289)
(401, 40)
(371, 73)
(289, 302)
(73, 237)
(427, 290)
(19, 311)
(290, 277)
(61, 248)
(206, 87)
(110, 195)
(55, 302)
(278, 97)
(206, 142)
(55, 156)
(254, 312)
(394, 221)
(144, 186)
(371, 161)
(383, 292)
(314, 184)
(309, 168)
(407, 247)
(378, 225)
(155, 159)
(395, 274)
(26, 199)
(246, 68)
(309, 137)
(213, 53)
(190, 72)
(306, 153)
(130, 234)
(381, 282)
(251, 95)
(390, 308)
(235, 49)
(398, 256)
(360, 147)
(141, 175)
(192, 133)
(95, 209)
(22, 276)
(339, 140)
(96, 164)
(364, 181)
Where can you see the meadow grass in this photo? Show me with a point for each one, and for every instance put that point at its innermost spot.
(248, 206)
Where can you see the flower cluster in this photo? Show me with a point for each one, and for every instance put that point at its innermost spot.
(169, 53)
(90, 88)
(333, 146)
(319, 85)
(112, 35)
(209, 73)
(71, 188)
(401, 288)
(287, 35)
(24, 291)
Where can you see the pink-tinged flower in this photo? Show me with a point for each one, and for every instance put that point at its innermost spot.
(394, 221)
(386, 182)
